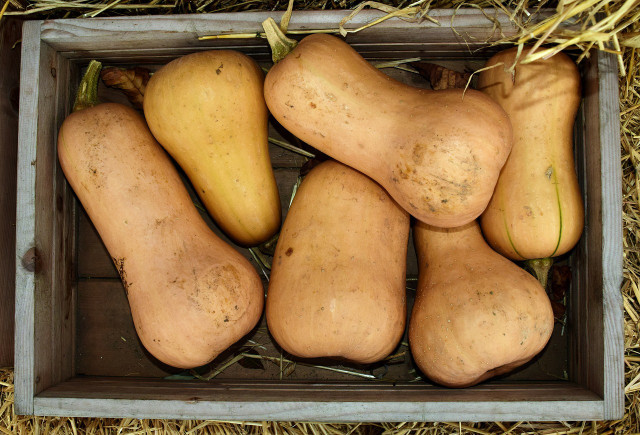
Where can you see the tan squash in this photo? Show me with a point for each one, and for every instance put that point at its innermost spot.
(207, 110)
(436, 153)
(337, 286)
(537, 209)
(191, 295)
(476, 314)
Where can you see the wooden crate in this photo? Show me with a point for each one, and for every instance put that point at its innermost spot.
(75, 348)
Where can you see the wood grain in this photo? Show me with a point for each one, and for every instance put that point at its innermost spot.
(262, 54)
(10, 32)
(25, 345)
(609, 138)
(335, 402)
(183, 31)
(597, 317)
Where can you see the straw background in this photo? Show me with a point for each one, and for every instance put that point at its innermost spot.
(612, 25)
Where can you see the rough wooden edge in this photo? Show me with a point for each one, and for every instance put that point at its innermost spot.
(25, 218)
(323, 411)
(9, 81)
(609, 126)
(167, 26)
(179, 31)
(331, 401)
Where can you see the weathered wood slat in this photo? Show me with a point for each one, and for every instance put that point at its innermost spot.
(330, 411)
(25, 345)
(9, 90)
(262, 52)
(171, 31)
(63, 236)
(50, 325)
(611, 280)
(358, 391)
(596, 303)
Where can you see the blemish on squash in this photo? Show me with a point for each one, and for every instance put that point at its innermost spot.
(312, 104)
(549, 172)
(418, 153)
(289, 252)
(528, 211)
(119, 263)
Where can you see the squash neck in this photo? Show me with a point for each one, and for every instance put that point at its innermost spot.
(433, 242)
(87, 95)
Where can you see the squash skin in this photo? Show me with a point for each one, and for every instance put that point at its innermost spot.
(191, 295)
(537, 209)
(207, 110)
(437, 154)
(476, 314)
(337, 285)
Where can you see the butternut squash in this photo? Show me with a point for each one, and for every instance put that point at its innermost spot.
(436, 153)
(207, 110)
(191, 294)
(536, 210)
(337, 285)
(476, 314)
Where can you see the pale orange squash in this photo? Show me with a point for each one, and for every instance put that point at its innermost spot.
(191, 294)
(436, 153)
(537, 209)
(337, 286)
(476, 314)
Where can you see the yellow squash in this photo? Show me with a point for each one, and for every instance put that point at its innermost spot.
(207, 110)
(536, 210)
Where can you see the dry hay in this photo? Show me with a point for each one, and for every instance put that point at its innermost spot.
(608, 25)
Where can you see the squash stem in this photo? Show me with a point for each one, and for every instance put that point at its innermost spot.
(87, 95)
(541, 267)
(280, 44)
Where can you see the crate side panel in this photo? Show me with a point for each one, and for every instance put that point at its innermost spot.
(575, 309)
(552, 410)
(470, 27)
(63, 237)
(305, 390)
(262, 54)
(10, 33)
(609, 139)
(25, 219)
(591, 355)
(335, 401)
(49, 212)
